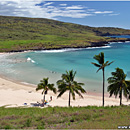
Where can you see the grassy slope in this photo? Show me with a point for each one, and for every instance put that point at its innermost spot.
(18, 33)
(71, 118)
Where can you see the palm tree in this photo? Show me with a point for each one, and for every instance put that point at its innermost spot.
(45, 86)
(118, 84)
(68, 84)
(101, 65)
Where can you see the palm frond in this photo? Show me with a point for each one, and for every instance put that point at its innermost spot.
(118, 83)
(39, 86)
(99, 69)
(102, 57)
(72, 92)
(128, 83)
(60, 82)
(110, 63)
(112, 89)
(125, 93)
(97, 65)
(45, 86)
(76, 90)
(80, 84)
(52, 88)
(61, 92)
(61, 86)
(112, 80)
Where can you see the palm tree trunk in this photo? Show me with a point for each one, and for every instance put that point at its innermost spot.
(103, 87)
(69, 99)
(121, 97)
(44, 99)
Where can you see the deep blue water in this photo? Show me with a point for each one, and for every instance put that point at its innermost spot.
(121, 36)
(53, 63)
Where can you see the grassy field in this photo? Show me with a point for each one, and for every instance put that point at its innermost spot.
(67, 118)
(19, 33)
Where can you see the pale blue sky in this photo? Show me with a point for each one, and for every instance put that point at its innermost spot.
(91, 13)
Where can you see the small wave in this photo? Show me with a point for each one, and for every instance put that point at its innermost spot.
(127, 41)
(33, 61)
(119, 42)
(69, 49)
(28, 83)
(112, 42)
(98, 47)
(29, 59)
(115, 42)
(58, 50)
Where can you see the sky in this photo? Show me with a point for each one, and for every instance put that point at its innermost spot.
(90, 13)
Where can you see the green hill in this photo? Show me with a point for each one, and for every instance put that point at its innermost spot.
(20, 33)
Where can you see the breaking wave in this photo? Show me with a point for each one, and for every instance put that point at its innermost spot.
(69, 49)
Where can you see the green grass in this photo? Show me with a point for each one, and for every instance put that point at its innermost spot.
(19, 33)
(90, 117)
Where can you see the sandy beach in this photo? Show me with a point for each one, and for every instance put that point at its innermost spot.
(15, 94)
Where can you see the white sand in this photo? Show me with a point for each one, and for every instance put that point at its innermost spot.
(15, 94)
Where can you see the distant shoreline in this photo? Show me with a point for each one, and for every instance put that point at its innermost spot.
(94, 44)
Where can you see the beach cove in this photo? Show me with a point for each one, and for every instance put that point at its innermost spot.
(20, 70)
(31, 67)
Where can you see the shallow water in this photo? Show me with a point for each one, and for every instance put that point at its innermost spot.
(30, 67)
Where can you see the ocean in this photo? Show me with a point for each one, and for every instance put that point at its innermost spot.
(31, 67)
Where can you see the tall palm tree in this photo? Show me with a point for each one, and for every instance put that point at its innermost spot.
(101, 65)
(45, 86)
(69, 84)
(118, 84)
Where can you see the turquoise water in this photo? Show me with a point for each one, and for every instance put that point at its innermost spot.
(30, 67)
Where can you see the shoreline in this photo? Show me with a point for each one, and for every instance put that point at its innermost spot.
(93, 45)
(15, 94)
(49, 74)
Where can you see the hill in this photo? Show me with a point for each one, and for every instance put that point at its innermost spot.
(20, 33)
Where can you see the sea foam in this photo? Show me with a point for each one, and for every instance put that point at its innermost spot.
(68, 49)
(58, 50)
(98, 47)
(29, 59)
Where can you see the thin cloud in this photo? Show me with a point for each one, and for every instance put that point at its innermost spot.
(91, 9)
(49, 3)
(40, 9)
(113, 14)
(63, 4)
(74, 7)
(103, 12)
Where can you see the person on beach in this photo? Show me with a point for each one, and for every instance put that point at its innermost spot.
(50, 98)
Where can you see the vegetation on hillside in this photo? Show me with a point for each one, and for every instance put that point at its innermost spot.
(19, 33)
